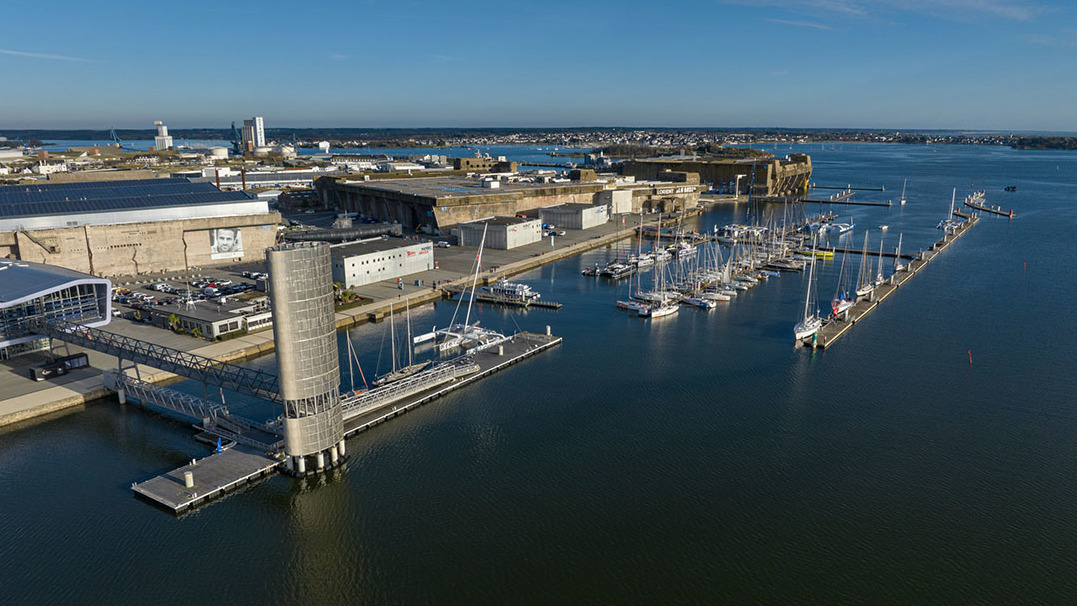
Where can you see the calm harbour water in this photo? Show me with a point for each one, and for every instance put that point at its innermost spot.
(695, 458)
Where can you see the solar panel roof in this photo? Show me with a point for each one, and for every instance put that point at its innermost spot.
(106, 196)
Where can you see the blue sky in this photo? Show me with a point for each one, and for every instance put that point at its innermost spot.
(1005, 65)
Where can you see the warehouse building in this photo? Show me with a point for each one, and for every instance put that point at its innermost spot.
(133, 227)
(502, 233)
(575, 216)
(34, 291)
(365, 262)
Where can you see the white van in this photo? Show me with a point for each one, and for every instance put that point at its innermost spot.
(209, 291)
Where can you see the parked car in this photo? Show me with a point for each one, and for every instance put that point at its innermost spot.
(443, 244)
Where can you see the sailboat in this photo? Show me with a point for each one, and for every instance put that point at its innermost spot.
(841, 300)
(399, 373)
(879, 268)
(948, 225)
(811, 323)
(903, 184)
(864, 284)
(898, 265)
(467, 334)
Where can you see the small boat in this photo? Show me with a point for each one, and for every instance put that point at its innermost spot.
(1011, 188)
(512, 291)
(716, 296)
(884, 227)
(659, 310)
(700, 302)
(903, 184)
(838, 228)
(631, 306)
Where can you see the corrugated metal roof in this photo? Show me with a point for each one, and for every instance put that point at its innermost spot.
(106, 196)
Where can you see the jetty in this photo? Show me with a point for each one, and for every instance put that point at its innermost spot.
(976, 201)
(856, 251)
(360, 416)
(452, 290)
(835, 329)
(238, 465)
(844, 197)
(201, 480)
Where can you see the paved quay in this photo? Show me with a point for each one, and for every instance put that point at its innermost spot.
(22, 399)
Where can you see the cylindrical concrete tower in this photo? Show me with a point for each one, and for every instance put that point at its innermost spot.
(301, 291)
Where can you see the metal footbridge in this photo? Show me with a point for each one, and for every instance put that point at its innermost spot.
(179, 362)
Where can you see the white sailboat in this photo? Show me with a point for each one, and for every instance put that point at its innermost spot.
(399, 373)
(841, 301)
(864, 284)
(898, 265)
(948, 225)
(811, 322)
(903, 184)
(467, 334)
(879, 268)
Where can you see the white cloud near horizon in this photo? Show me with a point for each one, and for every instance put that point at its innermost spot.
(5, 51)
(802, 24)
(1020, 10)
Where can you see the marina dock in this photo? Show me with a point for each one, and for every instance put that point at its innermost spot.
(452, 290)
(202, 480)
(845, 197)
(519, 347)
(208, 478)
(857, 251)
(835, 329)
(994, 210)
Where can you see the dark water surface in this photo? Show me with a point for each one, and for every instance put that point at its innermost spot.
(695, 458)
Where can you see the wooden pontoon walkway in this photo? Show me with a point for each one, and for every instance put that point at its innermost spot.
(835, 329)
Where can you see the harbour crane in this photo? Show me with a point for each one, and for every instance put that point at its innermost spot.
(237, 147)
(116, 141)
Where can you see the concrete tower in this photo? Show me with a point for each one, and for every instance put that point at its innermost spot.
(301, 291)
(162, 141)
(253, 134)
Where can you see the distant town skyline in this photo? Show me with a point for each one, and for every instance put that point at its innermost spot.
(993, 65)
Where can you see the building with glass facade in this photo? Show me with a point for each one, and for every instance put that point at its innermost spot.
(33, 290)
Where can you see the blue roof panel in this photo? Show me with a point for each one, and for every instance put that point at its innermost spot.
(106, 196)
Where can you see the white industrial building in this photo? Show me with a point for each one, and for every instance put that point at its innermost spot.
(619, 201)
(575, 216)
(366, 262)
(253, 134)
(503, 233)
(163, 141)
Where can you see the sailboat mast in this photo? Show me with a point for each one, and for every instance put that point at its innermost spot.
(475, 279)
(407, 309)
(392, 337)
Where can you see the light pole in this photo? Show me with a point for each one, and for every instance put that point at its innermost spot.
(736, 188)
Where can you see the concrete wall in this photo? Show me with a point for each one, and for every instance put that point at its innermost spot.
(773, 177)
(135, 248)
(430, 215)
